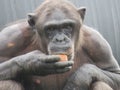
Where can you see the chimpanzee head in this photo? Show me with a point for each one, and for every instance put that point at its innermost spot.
(58, 24)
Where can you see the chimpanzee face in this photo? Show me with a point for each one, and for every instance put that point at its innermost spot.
(59, 34)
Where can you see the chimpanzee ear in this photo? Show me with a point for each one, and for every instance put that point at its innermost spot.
(82, 11)
(31, 19)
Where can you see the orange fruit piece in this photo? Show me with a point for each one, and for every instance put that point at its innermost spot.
(63, 58)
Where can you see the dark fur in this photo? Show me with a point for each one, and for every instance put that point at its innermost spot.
(95, 67)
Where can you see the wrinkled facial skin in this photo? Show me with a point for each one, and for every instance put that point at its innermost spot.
(59, 33)
(60, 37)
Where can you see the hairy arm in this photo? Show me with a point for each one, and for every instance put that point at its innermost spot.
(11, 41)
(9, 69)
(100, 52)
(33, 63)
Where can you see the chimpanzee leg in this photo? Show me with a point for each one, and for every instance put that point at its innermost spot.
(10, 85)
(89, 75)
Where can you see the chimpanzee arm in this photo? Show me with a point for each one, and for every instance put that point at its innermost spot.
(100, 52)
(33, 63)
(11, 42)
(12, 39)
(103, 56)
(9, 69)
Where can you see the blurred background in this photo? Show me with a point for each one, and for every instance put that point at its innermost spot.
(102, 15)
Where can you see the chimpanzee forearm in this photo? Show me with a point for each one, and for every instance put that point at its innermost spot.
(33, 63)
(9, 69)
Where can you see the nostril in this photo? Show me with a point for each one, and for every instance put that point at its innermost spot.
(57, 40)
(60, 40)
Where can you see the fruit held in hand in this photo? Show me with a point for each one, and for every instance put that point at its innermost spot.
(63, 58)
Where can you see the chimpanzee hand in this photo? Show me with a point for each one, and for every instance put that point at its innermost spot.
(37, 63)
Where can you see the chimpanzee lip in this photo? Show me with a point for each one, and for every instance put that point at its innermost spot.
(59, 48)
(64, 51)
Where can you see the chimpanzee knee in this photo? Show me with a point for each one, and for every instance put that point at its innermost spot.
(10, 85)
(85, 74)
(84, 77)
(81, 78)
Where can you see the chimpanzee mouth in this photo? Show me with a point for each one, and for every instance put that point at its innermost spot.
(58, 51)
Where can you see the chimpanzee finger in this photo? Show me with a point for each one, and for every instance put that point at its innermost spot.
(57, 71)
(63, 70)
(63, 64)
(51, 59)
(57, 65)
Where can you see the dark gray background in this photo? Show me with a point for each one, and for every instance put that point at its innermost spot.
(103, 15)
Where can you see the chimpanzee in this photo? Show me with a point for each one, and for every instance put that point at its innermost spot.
(30, 49)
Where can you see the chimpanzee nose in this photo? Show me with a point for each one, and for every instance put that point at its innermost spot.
(60, 38)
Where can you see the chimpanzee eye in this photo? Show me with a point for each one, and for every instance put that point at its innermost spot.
(50, 32)
(68, 30)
